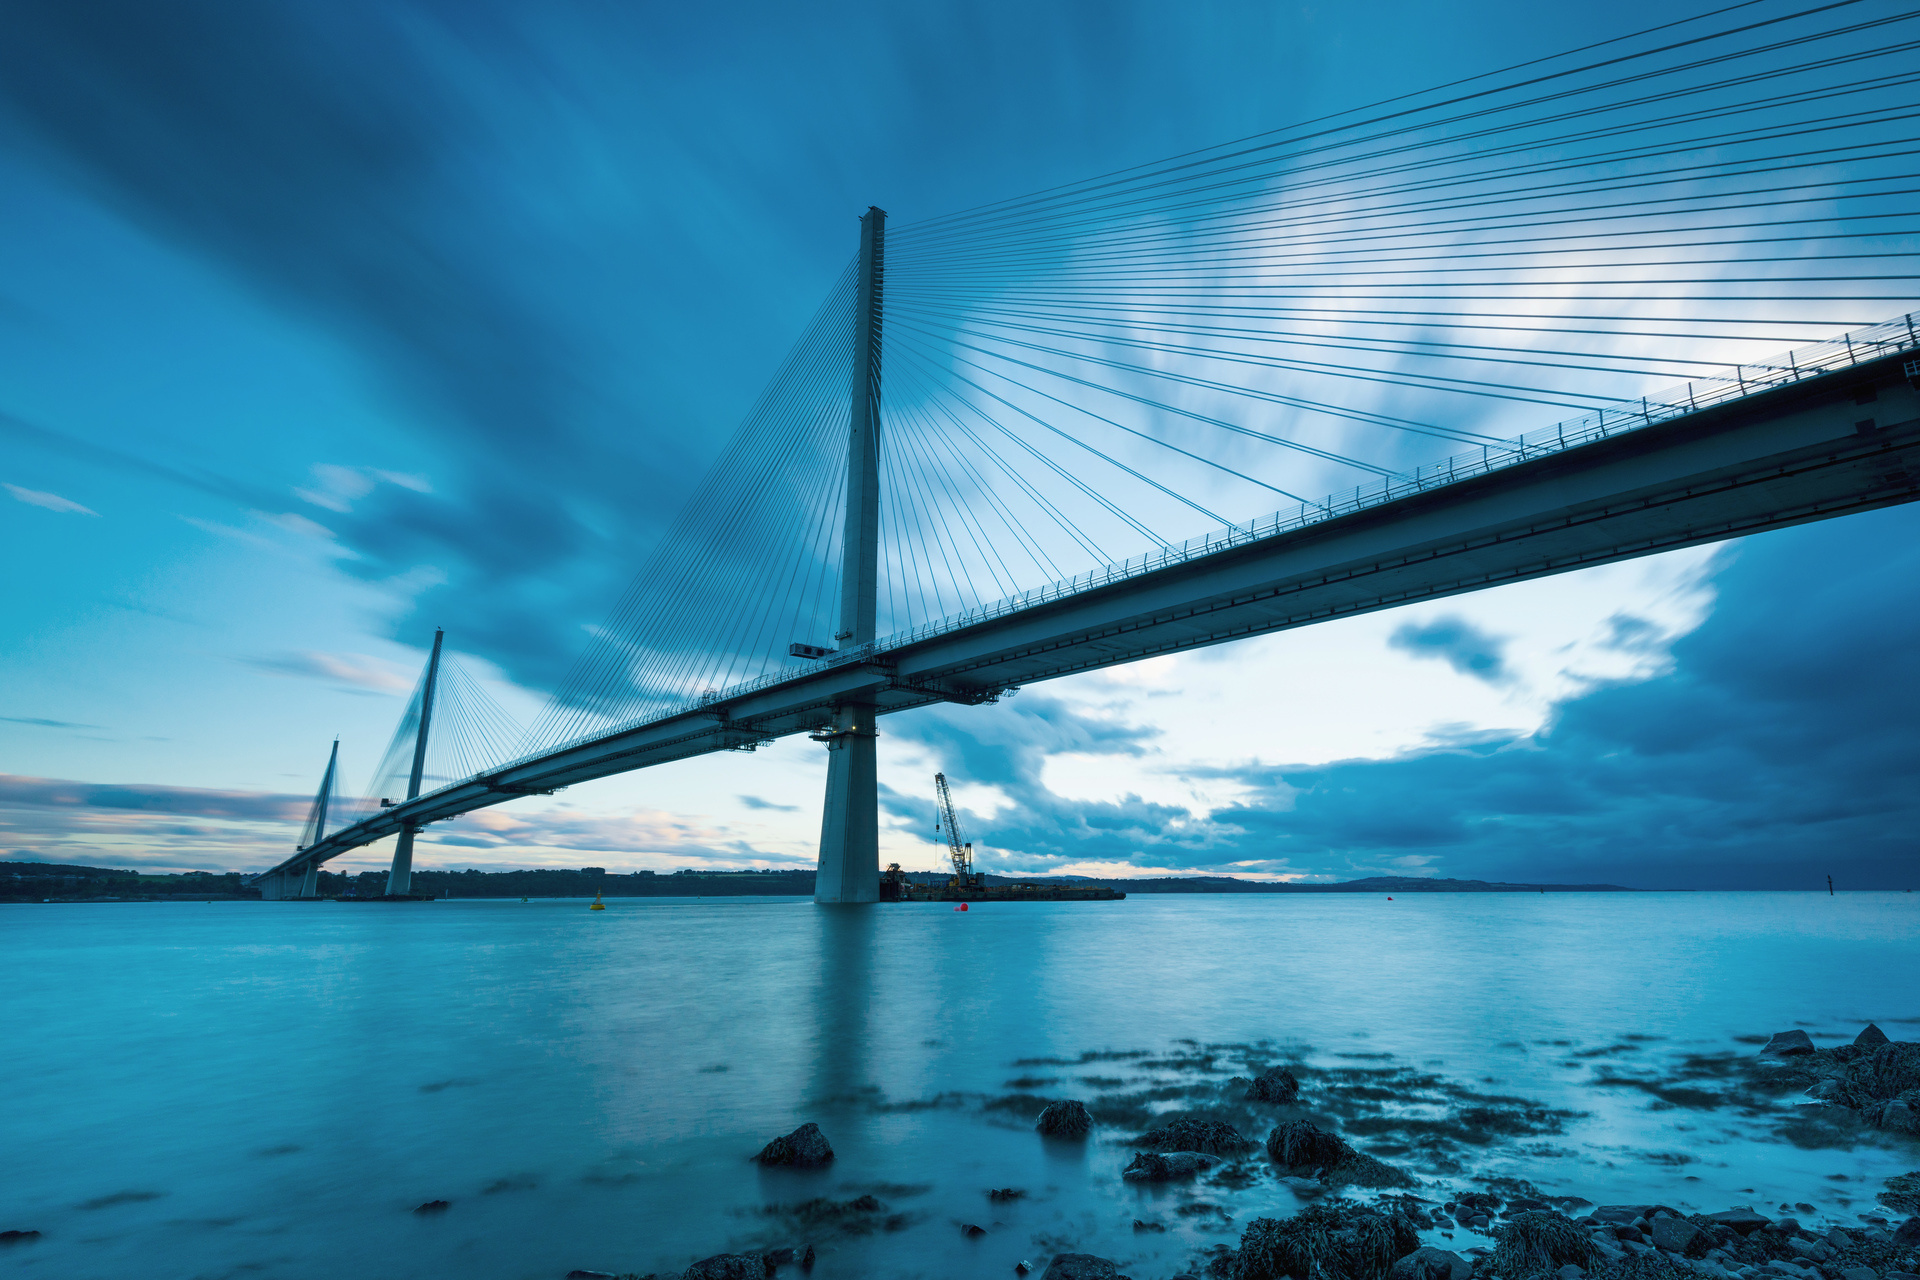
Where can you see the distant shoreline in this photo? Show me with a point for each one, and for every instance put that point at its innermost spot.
(52, 882)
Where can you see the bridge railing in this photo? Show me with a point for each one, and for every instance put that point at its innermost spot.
(1871, 343)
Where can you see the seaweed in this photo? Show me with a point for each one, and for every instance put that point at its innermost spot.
(1536, 1242)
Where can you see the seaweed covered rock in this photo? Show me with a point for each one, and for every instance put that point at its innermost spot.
(1538, 1242)
(1080, 1266)
(729, 1266)
(1067, 1119)
(1870, 1037)
(1306, 1150)
(1429, 1263)
(1275, 1084)
(1902, 1194)
(1298, 1144)
(804, 1148)
(1338, 1240)
(1190, 1133)
(1151, 1166)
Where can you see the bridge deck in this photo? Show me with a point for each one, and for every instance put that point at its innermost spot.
(1827, 445)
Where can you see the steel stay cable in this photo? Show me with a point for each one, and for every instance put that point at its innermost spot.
(1339, 371)
(905, 235)
(932, 396)
(1348, 341)
(1453, 226)
(927, 437)
(1165, 444)
(1323, 253)
(1234, 222)
(1041, 458)
(1328, 222)
(1280, 336)
(1313, 450)
(1104, 457)
(960, 214)
(1014, 206)
(1182, 206)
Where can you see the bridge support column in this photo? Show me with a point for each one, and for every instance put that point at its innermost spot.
(400, 876)
(310, 881)
(849, 867)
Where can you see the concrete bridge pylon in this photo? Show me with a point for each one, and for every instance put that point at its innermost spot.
(849, 866)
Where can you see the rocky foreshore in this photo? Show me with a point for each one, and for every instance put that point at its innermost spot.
(1361, 1217)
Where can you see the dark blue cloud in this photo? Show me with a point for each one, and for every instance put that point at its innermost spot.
(1458, 643)
(18, 792)
(756, 802)
(1781, 747)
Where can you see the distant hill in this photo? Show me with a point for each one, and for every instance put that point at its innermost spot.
(1372, 884)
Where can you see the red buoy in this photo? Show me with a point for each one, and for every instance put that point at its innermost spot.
(961, 907)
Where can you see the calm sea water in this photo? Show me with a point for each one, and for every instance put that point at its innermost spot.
(241, 1089)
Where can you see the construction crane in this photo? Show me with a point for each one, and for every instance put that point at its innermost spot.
(960, 852)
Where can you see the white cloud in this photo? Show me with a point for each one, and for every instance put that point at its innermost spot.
(51, 501)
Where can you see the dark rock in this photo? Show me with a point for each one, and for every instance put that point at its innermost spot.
(1298, 1145)
(1632, 1212)
(1740, 1218)
(970, 1231)
(1006, 1193)
(1677, 1235)
(1907, 1234)
(591, 1275)
(1067, 1119)
(1479, 1222)
(1139, 1225)
(1080, 1266)
(1431, 1264)
(728, 1266)
(1210, 1137)
(1902, 1194)
(1897, 1116)
(434, 1206)
(1021, 1268)
(1304, 1150)
(1275, 1084)
(1871, 1038)
(1789, 1044)
(804, 1148)
(806, 1259)
(777, 1257)
(18, 1237)
(1151, 1166)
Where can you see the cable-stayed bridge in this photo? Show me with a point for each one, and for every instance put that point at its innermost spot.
(1027, 439)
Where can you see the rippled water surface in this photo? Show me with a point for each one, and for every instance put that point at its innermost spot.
(269, 1089)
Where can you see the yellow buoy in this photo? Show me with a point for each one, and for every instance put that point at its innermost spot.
(597, 904)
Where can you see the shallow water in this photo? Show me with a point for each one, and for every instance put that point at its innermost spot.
(269, 1089)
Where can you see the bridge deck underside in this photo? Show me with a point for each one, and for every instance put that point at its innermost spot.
(1843, 442)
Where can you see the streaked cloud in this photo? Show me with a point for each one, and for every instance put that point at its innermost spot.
(357, 670)
(51, 501)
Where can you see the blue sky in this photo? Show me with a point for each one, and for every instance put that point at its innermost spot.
(323, 325)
